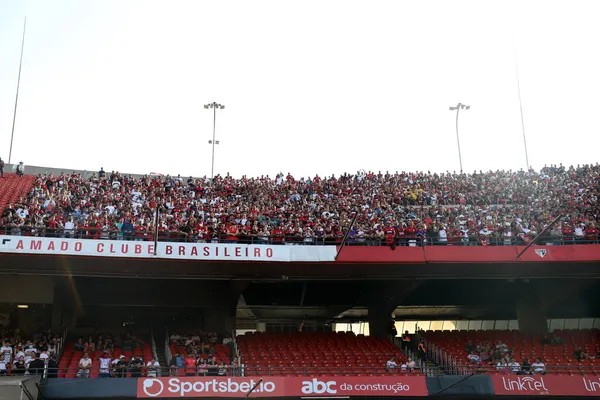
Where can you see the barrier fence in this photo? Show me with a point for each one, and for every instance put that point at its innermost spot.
(353, 240)
(128, 371)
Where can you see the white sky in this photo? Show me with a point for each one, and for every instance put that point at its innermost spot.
(309, 86)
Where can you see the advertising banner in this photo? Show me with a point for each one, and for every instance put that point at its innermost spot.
(333, 386)
(546, 385)
(166, 250)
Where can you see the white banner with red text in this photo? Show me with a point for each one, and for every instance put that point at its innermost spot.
(166, 250)
(272, 387)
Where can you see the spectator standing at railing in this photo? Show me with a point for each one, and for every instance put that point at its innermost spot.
(190, 365)
(6, 352)
(121, 366)
(1, 168)
(19, 366)
(411, 365)
(152, 368)
(52, 366)
(4, 367)
(391, 365)
(137, 363)
(525, 367)
(539, 367)
(36, 366)
(104, 364)
(176, 364)
(85, 366)
(127, 229)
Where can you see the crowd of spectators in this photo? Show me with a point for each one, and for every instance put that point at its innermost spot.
(491, 208)
(110, 366)
(116, 356)
(20, 355)
(499, 357)
(202, 354)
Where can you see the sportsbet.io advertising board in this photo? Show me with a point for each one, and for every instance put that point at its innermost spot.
(334, 386)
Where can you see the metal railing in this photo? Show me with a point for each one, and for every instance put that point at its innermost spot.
(125, 371)
(178, 237)
(466, 368)
(216, 371)
(209, 371)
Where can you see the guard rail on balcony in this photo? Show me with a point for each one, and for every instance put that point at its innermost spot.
(177, 236)
(129, 372)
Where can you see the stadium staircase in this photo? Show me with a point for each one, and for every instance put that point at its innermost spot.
(428, 366)
(12, 188)
(160, 339)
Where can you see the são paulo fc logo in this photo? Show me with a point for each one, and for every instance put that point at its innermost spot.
(541, 252)
(152, 387)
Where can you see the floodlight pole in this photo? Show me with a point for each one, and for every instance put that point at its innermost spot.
(12, 133)
(458, 107)
(214, 106)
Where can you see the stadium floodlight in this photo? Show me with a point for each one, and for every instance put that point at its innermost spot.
(457, 108)
(215, 106)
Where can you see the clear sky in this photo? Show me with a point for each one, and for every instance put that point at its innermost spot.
(309, 86)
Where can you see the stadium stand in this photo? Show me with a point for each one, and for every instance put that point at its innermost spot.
(317, 354)
(110, 348)
(202, 346)
(561, 352)
(499, 207)
(14, 188)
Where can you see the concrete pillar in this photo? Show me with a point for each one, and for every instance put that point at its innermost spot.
(261, 327)
(531, 309)
(531, 316)
(381, 299)
(223, 318)
(380, 317)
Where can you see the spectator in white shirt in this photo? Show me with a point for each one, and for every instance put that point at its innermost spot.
(104, 361)
(539, 367)
(443, 235)
(6, 352)
(474, 357)
(69, 228)
(515, 367)
(153, 367)
(85, 366)
(391, 364)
